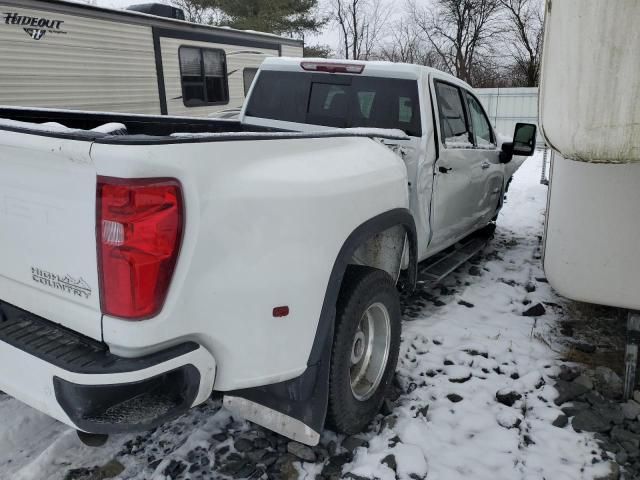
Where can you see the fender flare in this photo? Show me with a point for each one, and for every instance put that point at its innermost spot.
(377, 224)
(305, 398)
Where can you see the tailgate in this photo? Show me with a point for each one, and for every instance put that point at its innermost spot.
(48, 260)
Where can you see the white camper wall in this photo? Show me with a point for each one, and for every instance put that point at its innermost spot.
(238, 58)
(592, 230)
(85, 64)
(590, 80)
(292, 51)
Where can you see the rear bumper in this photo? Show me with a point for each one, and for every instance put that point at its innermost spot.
(78, 381)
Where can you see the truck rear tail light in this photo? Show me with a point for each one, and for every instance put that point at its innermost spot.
(332, 67)
(139, 231)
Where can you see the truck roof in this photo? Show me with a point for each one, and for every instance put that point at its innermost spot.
(373, 68)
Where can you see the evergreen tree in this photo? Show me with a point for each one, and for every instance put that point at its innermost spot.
(317, 51)
(282, 17)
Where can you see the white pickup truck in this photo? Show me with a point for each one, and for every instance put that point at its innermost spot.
(150, 261)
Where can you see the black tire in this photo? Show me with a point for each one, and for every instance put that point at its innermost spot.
(362, 287)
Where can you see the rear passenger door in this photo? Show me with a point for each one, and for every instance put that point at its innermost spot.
(454, 199)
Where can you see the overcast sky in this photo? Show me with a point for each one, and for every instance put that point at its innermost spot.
(328, 37)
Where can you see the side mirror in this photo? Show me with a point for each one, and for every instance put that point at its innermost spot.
(524, 142)
(524, 139)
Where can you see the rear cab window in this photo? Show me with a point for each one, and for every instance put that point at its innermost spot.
(337, 100)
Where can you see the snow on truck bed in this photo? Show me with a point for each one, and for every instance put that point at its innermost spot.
(392, 134)
(54, 127)
(462, 344)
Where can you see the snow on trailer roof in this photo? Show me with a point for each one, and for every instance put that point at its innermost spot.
(149, 18)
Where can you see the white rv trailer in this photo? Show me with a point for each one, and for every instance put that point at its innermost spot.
(590, 116)
(59, 54)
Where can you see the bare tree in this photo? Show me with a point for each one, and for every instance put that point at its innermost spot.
(524, 34)
(193, 12)
(404, 43)
(361, 24)
(200, 11)
(491, 72)
(460, 31)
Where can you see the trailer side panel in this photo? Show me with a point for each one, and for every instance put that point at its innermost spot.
(60, 60)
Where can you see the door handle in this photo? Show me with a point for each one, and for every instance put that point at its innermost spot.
(485, 165)
(444, 169)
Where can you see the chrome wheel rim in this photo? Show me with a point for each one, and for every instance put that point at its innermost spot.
(370, 351)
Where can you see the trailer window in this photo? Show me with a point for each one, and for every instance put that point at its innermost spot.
(203, 74)
(248, 74)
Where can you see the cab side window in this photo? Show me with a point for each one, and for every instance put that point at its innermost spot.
(454, 126)
(479, 123)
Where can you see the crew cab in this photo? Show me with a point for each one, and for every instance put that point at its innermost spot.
(148, 261)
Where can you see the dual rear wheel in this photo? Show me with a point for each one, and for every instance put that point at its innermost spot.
(365, 348)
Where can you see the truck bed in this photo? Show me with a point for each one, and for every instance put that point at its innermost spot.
(147, 125)
(156, 129)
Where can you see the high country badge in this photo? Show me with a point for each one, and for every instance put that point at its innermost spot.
(66, 283)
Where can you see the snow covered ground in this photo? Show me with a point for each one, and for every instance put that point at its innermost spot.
(473, 342)
(464, 344)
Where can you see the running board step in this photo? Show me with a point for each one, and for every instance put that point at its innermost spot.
(434, 270)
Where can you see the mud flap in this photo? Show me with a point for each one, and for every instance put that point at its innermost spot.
(295, 408)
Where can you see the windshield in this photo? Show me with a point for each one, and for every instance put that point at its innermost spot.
(337, 100)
